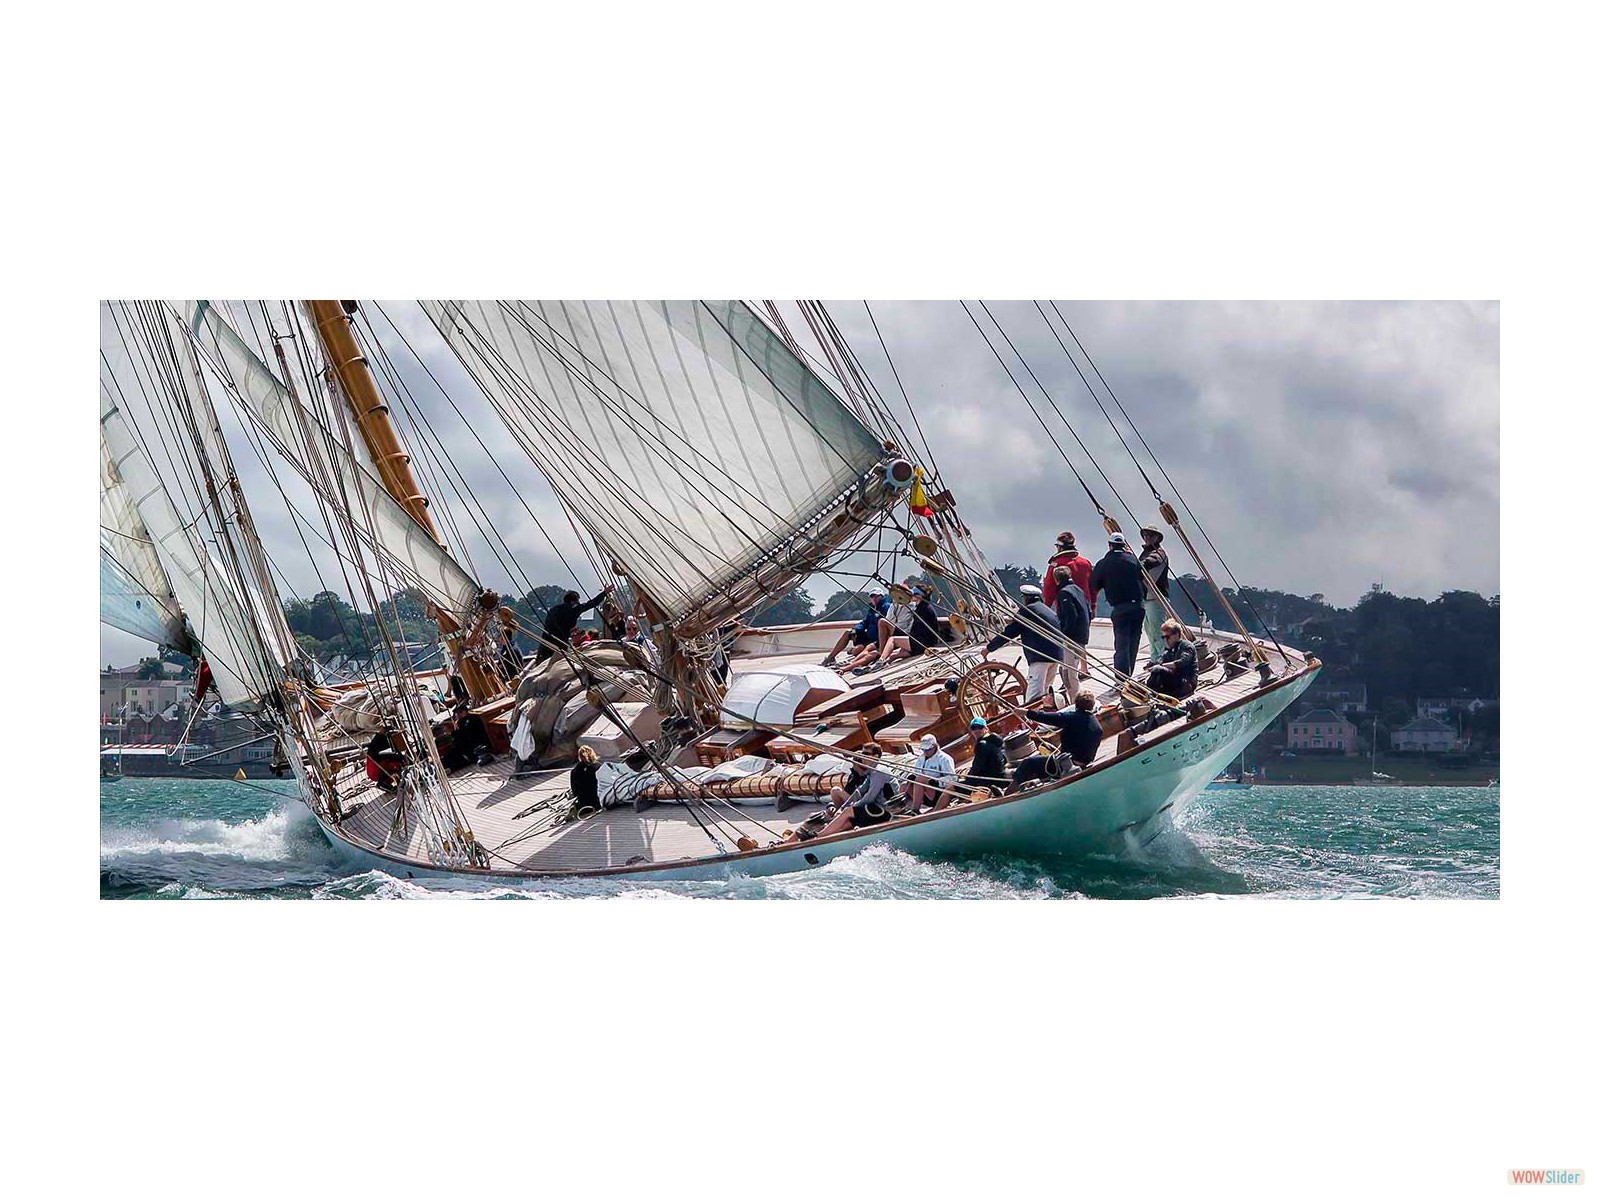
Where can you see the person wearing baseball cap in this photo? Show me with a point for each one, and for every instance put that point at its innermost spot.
(1118, 576)
(863, 637)
(932, 773)
(988, 769)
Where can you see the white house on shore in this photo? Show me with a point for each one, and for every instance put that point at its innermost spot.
(1423, 735)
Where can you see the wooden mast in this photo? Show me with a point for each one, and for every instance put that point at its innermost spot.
(360, 390)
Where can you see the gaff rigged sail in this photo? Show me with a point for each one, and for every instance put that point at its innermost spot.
(685, 435)
(203, 591)
(422, 561)
(135, 594)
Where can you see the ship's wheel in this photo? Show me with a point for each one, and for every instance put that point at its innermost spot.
(990, 690)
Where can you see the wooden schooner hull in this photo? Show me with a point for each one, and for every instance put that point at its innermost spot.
(1109, 808)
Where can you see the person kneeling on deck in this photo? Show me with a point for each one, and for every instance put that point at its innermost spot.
(383, 761)
(469, 743)
(1038, 628)
(585, 785)
(1177, 672)
(988, 769)
(931, 775)
(871, 789)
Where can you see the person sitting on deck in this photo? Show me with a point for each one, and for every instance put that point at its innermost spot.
(634, 635)
(1080, 728)
(561, 620)
(932, 773)
(988, 769)
(866, 802)
(383, 761)
(1039, 631)
(895, 624)
(469, 743)
(1179, 669)
(585, 785)
(863, 635)
(611, 617)
(921, 630)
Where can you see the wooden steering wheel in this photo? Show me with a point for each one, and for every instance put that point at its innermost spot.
(990, 690)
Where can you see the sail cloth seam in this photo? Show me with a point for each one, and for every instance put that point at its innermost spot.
(477, 437)
(697, 389)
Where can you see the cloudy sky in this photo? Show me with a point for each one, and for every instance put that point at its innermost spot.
(1325, 446)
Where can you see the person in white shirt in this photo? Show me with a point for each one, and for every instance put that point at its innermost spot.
(931, 775)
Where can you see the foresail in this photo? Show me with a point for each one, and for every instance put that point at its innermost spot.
(203, 592)
(409, 548)
(684, 435)
(135, 595)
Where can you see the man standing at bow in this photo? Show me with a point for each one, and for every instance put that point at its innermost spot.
(1154, 561)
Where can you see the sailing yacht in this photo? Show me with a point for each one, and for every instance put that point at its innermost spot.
(709, 463)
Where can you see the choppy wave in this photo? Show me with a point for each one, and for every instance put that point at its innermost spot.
(184, 839)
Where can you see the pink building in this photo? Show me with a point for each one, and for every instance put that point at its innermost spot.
(1322, 729)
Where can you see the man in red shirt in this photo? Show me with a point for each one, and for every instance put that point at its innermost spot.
(1067, 555)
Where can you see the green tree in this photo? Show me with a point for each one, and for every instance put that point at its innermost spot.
(792, 608)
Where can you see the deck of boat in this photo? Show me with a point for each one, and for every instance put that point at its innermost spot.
(515, 819)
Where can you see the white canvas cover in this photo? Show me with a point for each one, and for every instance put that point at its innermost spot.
(772, 695)
(684, 435)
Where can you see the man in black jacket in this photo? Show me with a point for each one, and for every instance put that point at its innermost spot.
(1039, 631)
(1179, 668)
(1117, 577)
(1154, 561)
(561, 620)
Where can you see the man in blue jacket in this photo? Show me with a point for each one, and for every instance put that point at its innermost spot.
(1072, 609)
(1117, 577)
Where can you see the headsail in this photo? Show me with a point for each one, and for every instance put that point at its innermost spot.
(410, 549)
(135, 594)
(688, 439)
(203, 590)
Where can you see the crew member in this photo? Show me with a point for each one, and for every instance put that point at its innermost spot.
(1154, 561)
(1179, 669)
(932, 773)
(584, 779)
(863, 635)
(988, 769)
(871, 789)
(1039, 630)
(1080, 728)
(1078, 567)
(561, 620)
(1072, 610)
(1117, 575)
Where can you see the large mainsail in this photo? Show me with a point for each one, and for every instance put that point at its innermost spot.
(135, 594)
(686, 436)
(410, 550)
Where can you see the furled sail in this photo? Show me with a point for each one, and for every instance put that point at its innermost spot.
(135, 595)
(408, 547)
(689, 440)
(203, 591)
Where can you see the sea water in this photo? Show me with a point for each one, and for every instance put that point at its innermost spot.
(195, 839)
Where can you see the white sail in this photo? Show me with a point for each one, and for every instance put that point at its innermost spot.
(685, 435)
(203, 591)
(408, 547)
(135, 595)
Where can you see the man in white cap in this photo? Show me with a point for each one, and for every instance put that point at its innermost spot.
(1117, 575)
(931, 774)
(1038, 628)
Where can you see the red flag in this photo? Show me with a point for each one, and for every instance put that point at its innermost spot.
(202, 679)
